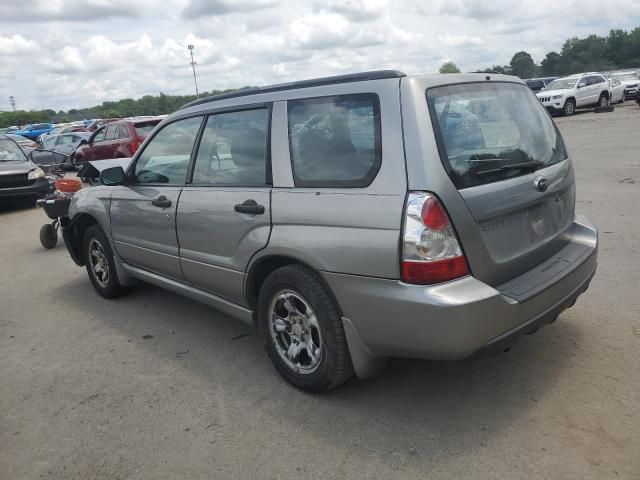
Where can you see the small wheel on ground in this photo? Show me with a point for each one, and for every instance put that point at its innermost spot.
(603, 101)
(569, 107)
(100, 264)
(48, 236)
(302, 330)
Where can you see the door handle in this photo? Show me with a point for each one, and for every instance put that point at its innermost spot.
(249, 206)
(161, 201)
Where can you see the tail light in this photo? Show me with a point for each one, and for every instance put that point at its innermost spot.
(135, 145)
(431, 252)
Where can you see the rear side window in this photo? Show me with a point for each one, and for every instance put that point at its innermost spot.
(233, 149)
(335, 141)
(489, 132)
(123, 131)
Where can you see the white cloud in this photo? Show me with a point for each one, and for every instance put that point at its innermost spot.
(83, 52)
(16, 45)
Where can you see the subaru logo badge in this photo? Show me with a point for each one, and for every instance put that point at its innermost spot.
(541, 183)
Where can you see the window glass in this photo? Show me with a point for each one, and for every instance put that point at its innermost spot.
(492, 131)
(123, 131)
(49, 143)
(145, 128)
(233, 149)
(66, 140)
(111, 132)
(166, 158)
(11, 152)
(335, 141)
(99, 136)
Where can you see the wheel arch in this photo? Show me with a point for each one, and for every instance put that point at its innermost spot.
(73, 234)
(263, 266)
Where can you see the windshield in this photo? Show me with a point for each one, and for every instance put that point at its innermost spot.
(562, 84)
(492, 131)
(626, 76)
(10, 151)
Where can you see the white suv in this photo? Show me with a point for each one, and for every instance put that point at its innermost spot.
(566, 94)
(630, 80)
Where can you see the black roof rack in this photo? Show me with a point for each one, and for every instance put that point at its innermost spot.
(315, 82)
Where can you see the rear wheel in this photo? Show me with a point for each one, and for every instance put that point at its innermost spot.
(100, 264)
(569, 107)
(603, 101)
(302, 330)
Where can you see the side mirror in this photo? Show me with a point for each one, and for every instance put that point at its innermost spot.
(582, 85)
(112, 176)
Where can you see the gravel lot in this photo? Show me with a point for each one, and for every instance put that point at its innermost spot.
(157, 386)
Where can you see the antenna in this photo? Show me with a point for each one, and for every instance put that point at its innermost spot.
(193, 66)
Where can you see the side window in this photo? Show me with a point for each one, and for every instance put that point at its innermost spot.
(335, 141)
(583, 82)
(123, 132)
(166, 157)
(233, 149)
(99, 136)
(111, 132)
(66, 140)
(49, 143)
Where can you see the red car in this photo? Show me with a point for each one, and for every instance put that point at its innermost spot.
(118, 139)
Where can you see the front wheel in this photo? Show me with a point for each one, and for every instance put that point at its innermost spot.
(302, 330)
(100, 264)
(569, 107)
(48, 236)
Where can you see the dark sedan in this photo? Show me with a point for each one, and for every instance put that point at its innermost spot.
(58, 149)
(20, 177)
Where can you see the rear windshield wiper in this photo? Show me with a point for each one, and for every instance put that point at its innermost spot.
(531, 165)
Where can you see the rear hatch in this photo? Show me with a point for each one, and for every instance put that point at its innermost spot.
(509, 164)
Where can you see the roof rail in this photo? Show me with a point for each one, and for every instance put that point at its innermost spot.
(315, 82)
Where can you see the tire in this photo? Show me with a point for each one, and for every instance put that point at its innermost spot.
(569, 107)
(101, 268)
(48, 236)
(603, 101)
(297, 314)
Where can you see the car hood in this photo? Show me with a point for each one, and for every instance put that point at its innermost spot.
(16, 168)
(551, 93)
(629, 82)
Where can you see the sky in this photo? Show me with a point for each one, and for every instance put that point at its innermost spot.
(64, 54)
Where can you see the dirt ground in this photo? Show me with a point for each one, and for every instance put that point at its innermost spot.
(154, 385)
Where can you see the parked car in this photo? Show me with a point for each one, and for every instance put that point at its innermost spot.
(25, 144)
(351, 218)
(617, 91)
(32, 132)
(20, 177)
(537, 84)
(119, 139)
(564, 95)
(59, 149)
(631, 82)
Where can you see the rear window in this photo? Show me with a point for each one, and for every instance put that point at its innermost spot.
(489, 132)
(144, 129)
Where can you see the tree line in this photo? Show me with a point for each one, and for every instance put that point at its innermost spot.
(618, 50)
(128, 107)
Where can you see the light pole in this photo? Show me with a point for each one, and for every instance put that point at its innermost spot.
(12, 102)
(193, 66)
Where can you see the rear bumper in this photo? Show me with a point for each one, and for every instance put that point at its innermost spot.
(38, 189)
(465, 317)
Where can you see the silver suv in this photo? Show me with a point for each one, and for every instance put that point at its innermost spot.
(351, 218)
